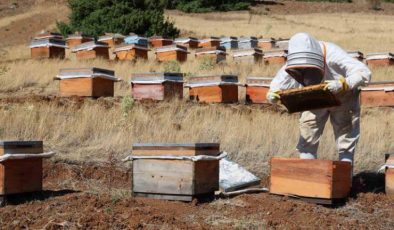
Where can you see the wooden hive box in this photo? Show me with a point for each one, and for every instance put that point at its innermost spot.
(77, 39)
(111, 39)
(47, 48)
(136, 40)
(229, 43)
(318, 179)
(266, 43)
(157, 86)
(356, 55)
(20, 175)
(276, 56)
(86, 82)
(254, 55)
(380, 59)
(171, 53)
(175, 179)
(377, 94)
(282, 43)
(209, 42)
(218, 54)
(247, 42)
(158, 41)
(91, 50)
(257, 89)
(214, 88)
(189, 42)
(389, 174)
(130, 52)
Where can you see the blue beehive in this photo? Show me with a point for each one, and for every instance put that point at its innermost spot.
(229, 42)
(136, 39)
(247, 42)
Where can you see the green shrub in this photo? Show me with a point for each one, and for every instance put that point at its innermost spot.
(207, 63)
(203, 6)
(126, 105)
(172, 67)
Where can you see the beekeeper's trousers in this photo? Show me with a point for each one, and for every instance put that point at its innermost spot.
(345, 121)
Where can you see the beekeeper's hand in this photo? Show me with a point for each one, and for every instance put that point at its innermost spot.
(273, 96)
(337, 86)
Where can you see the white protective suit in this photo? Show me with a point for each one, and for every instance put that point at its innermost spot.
(305, 51)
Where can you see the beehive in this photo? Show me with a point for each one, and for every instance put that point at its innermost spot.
(20, 175)
(247, 42)
(214, 88)
(49, 35)
(130, 52)
(91, 50)
(389, 174)
(209, 42)
(47, 48)
(189, 42)
(282, 43)
(77, 39)
(157, 86)
(257, 89)
(217, 54)
(376, 94)
(111, 39)
(275, 56)
(136, 40)
(266, 43)
(380, 59)
(254, 55)
(322, 179)
(356, 55)
(86, 82)
(171, 53)
(229, 42)
(175, 179)
(159, 41)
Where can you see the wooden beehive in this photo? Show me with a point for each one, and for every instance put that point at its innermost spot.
(130, 52)
(356, 55)
(209, 42)
(171, 53)
(308, 98)
(111, 39)
(254, 55)
(136, 40)
(159, 41)
(247, 42)
(214, 88)
(77, 39)
(282, 43)
(20, 175)
(91, 50)
(266, 43)
(257, 89)
(218, 54)
(86, 82)
(320, 179)
(157, 86)
(189, 42)
(229, 42)
(380, 59)
(389, 174)
(175, 179)
(275, 56)
(377, 94)
(49, 35)
(47, 48)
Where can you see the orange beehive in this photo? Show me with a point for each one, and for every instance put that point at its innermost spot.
(189, 42)
(218, 54)
(380, 59)
(91, 50)
(77, 39)
(157, 86)
(389, 174)
(276, 56)
(209, 42)
(319, 179)
(86, 82)
(47, 48)
(171, 53)
(254, 55)
(257, 89)
(111, 39)
(159, 41)
(266, 43)
(356, 55)
(131, 52)
(214, 88)
(377, 94)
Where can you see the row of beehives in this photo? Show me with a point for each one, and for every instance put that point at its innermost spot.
(188, 171)
(133, 47)
(96, 82)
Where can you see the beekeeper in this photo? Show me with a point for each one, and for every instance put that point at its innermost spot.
(311, 62)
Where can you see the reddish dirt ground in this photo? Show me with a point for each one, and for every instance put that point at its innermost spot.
(93, 196)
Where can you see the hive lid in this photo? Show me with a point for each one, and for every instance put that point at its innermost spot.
(383, 55)
(89, 46)
(47, 34)
(379, 86)
(185, 40)
(206, 50)
(247, 52)
(21, 143)
(124, 47)
(209, 39)
(78, 36)
(171, 48)
(92, 72)
(247, 39)
(135, 37)
(212, 80)
(147, 146)
(47, 42)
(107, 36)
(258, 81)
(159, 38)
(146, 78)
(282, 43)
(275, 53)
(228, 38)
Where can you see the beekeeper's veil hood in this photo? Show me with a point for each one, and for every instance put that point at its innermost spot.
(305, 60)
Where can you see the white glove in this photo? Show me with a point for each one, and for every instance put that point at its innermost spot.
(337, 86)
(273, 97)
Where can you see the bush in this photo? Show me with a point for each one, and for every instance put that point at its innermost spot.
(203, 6)
(172, 67)
(144, 17)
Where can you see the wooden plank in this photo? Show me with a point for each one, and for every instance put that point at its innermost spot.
(377, 98)
(206, 177)
(21, 150)
(148, 92)
(82, 87)
(257, 94)
(186, 198)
